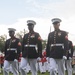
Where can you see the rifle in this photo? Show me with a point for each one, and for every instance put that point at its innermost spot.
(50, 29)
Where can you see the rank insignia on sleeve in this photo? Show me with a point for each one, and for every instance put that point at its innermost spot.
(19, 44)
(39, 38)
(66, 37)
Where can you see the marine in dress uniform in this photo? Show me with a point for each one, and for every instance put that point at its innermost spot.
(12, 51)
(31, 49)
(57, 47)
(69, 58)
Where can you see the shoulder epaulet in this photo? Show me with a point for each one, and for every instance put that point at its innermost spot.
(63, 31)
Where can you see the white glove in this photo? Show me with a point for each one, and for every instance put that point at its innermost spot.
(64, 57)
(38, 59)
(48, 59)
(15, 60)
(70, 58)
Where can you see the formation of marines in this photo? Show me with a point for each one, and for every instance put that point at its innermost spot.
(58, 51)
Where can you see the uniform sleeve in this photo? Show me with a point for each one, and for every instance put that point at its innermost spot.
(39, 44)
(66, 46)
(72, 49)
(5, 48)
(48, 47)
(23, 44)
(19, 46)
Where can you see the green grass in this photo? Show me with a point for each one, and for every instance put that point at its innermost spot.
(38, 73)
(30, 74)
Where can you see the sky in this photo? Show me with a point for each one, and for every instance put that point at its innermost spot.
(15, 13)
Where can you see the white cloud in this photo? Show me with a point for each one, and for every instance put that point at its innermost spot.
(65, 8)
(45, 12)
(3, 29)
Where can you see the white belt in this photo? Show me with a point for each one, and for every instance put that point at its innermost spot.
(12, 49)
(29, 45)
(56, 45)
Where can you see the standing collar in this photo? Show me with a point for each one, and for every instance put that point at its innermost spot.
(13, 38)
(57, 30)
(31, 32)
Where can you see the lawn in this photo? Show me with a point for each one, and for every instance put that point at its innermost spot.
(38, 73)
(30, 74)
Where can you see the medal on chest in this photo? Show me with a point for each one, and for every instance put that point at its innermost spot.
(59, 33)
(32, 36)
(13, 40)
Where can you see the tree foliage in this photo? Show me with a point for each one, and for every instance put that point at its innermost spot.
(44, 44)
(74, 47)
(2, 42)
(20, 34)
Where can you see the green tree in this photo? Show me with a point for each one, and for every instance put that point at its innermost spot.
(2, 42)
(44, 44)
(74, 47)
(21, 34)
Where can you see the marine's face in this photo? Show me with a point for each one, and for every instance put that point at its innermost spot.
(56, 25)
(11, 33)
(30, 27)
